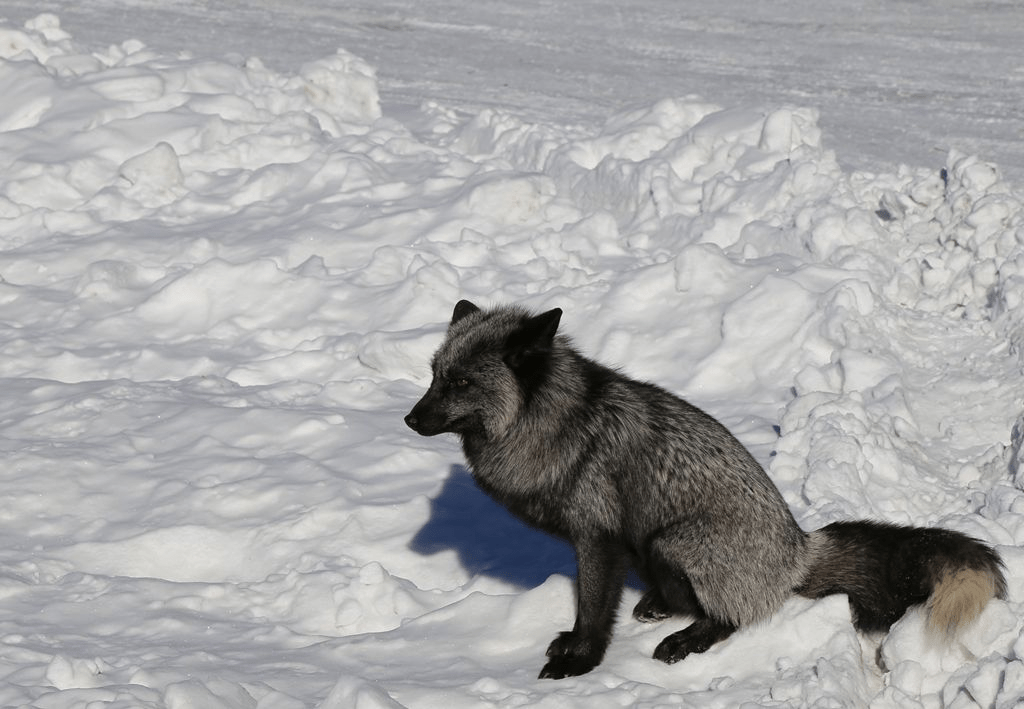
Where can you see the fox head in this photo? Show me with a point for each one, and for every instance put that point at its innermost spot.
(488, 367)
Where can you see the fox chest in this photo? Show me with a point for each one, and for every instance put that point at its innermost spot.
(549, 497)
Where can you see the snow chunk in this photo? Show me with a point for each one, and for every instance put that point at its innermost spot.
(344, 87)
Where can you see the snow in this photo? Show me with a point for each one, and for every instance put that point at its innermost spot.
(220, 286)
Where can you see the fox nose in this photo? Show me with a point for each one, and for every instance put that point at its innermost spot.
(411, 421)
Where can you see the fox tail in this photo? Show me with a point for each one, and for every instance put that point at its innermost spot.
(884, 569)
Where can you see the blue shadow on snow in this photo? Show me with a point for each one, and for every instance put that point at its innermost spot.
(489, 540)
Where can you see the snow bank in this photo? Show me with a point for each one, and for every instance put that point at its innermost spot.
(220, 289)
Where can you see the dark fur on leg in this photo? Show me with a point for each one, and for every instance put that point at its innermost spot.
(674, 594)
(602, 571)
(670, 594)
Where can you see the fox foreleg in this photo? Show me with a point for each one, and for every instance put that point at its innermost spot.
(601, 573)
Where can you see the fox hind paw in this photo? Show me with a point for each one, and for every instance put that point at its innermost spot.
(698, 637)
(651, 608)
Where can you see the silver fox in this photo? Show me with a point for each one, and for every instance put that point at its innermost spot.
(632, 475)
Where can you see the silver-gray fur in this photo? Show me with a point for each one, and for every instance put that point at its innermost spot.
(635, 476)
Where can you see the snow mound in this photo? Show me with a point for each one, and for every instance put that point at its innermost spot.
(220, 288)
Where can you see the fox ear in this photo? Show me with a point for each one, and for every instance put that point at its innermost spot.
(529, 344)
(543, 326)
(462, 309)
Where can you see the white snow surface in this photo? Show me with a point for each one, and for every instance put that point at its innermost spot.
(220, 286)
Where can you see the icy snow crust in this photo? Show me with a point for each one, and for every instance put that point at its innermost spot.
(220, 290)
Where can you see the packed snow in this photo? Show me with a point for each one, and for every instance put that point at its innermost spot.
(220, 287)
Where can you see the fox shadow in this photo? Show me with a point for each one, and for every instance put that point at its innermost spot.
(488, 539)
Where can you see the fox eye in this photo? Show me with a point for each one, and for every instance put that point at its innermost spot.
(460, 382)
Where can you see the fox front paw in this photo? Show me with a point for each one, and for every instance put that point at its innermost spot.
(571, 655)
(567, 666)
